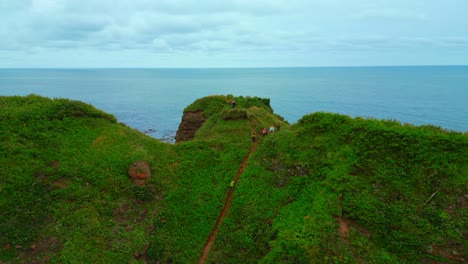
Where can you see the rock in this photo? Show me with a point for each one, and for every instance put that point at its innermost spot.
(53, 240)
(430, 250)
(150, 131)
(55, 164)
(191, 122)
(139, 172)
(169, 137)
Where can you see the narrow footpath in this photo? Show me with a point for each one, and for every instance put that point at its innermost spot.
(227, 204)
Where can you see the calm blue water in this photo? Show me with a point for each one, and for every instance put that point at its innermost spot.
(155, 98)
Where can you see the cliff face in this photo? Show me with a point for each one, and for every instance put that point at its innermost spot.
(191, 122)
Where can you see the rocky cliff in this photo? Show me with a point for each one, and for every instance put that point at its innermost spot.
(191, 122)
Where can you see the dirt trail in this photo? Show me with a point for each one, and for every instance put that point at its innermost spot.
(227, 204)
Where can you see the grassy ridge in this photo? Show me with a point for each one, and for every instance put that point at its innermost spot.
(377, 176)
(205, 167)
(64, 188)
(397, 190)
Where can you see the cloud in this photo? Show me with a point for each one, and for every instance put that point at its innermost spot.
(390, 14)
(46, 6)
(239, 29)
(163, 27)
(454, 42)
(47, 22)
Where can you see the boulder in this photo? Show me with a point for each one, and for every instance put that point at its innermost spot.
(139, 172)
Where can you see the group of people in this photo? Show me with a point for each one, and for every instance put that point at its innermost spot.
(265, 131)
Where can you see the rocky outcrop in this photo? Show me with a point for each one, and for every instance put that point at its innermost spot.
(191, 122)
(139, 172)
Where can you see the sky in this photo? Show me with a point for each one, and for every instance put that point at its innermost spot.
(237, 33)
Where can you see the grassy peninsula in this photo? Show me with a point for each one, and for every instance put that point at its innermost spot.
(327, 189)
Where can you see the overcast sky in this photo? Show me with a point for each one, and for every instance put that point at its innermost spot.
(239, 33)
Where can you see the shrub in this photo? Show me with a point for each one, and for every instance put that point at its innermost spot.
(233, 114)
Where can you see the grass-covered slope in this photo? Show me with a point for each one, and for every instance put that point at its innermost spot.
(338, 190)
(206, 166)
(65, 194)
(329, 189)
(226, 124)
(66, 197)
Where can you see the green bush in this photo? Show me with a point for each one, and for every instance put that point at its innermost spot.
(233, 114)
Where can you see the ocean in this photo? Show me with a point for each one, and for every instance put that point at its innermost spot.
(152, 100)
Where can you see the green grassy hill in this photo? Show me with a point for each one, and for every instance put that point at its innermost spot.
(64, 185)
(338, 190)
(328, 189)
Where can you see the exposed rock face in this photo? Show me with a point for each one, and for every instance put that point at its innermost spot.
(191, 122)
(139, 172)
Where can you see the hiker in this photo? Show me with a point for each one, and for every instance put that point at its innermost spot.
(278, 127)
(264, 131)
(232, 185)
(272, 128)
(233, 103)
(253, 136)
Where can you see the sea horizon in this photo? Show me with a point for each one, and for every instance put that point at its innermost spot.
(240, 67)
(152, 99)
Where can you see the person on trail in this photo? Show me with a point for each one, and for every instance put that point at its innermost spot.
(253, 136)
(233, 103)
(264, 131)
(272, 128)
(232, 185)
(278, 127)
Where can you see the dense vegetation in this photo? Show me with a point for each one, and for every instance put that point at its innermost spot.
(328, 189)
(397, 190)
(64, 188)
